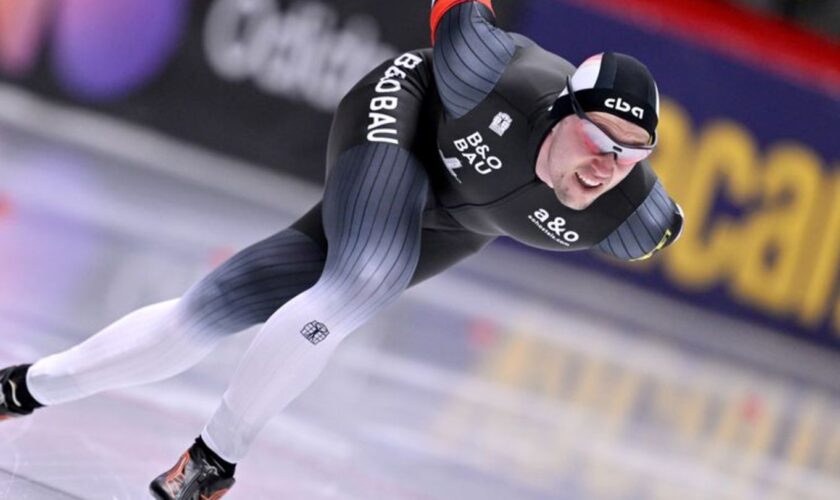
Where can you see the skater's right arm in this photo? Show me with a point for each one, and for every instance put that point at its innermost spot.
(656, 224)
(470, 52)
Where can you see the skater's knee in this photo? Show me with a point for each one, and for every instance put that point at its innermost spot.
(367, 286)
(209, 306)
(247, 289)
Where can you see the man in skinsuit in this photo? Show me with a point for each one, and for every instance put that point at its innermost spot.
(430, 157)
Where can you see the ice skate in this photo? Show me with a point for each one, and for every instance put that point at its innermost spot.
(196, 476)
(14, 399)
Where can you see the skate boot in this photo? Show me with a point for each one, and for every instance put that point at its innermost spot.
(15, 400)
(198, 475)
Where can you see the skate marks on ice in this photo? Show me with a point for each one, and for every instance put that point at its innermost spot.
(17, 487)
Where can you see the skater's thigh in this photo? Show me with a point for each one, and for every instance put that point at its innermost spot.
(250, 286)
(440, 248)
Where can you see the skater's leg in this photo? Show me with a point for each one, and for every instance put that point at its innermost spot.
(372, 211)
(162, 340)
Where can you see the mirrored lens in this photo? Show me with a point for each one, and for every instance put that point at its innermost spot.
(605, 144)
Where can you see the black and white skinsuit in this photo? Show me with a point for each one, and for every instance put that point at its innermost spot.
(431, 156)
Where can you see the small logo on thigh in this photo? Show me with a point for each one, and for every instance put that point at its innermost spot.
(315, 331)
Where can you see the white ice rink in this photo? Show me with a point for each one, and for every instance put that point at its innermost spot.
(512, 376)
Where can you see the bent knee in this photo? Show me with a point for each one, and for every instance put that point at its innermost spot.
(371, 285)
(207, 306)
(248, 289)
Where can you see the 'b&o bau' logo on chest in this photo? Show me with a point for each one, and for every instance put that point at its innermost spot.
(383, 123)
(474, 150)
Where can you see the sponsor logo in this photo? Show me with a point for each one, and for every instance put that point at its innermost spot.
(451, 164)
(382, 125)
(477, 154)
(300, 53)
(554, 228)
(314, 332)
(501, 122)
(620, 104)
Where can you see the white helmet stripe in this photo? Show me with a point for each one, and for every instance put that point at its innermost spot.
(586, 75)
(656, 90)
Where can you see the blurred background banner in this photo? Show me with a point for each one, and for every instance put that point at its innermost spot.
(255, 79)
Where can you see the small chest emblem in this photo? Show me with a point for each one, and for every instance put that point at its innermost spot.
(501, 122)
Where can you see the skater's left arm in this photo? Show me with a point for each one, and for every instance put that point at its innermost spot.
(657, 223)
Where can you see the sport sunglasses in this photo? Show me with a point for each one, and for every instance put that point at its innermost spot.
(625, 154)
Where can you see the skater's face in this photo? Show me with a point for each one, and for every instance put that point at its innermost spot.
(575, 168)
